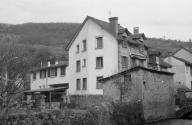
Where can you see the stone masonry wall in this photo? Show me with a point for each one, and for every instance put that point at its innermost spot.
(158, 96)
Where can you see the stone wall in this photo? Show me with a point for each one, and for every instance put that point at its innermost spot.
(153, 88)
(158, 95)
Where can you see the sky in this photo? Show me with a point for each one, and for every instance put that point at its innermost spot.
(171, 19)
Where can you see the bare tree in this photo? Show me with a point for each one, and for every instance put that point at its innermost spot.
(13, 69)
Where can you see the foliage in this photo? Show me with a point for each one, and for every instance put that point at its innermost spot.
(127, 113)
(56, 117)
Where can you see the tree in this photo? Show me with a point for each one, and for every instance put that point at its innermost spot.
(14, 66)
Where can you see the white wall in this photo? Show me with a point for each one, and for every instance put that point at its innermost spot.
(109, 52)
(178, 67)
(35, 84)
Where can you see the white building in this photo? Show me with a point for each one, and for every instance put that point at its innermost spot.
(181, 62)
(100, 49)
(51, 74)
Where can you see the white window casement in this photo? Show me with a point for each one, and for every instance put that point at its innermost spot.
(78, 66)
(99, 42)
(84, 84)
(78, 84)
(124, 61)
(63, 71)
(77, 49)
(99, 84)
(84, 45)
(84, 62)
(99, 62)
(52, 72)
(42, 74)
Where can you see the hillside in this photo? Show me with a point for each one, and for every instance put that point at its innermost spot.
(55, 36)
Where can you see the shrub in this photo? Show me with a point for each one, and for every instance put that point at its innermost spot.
(127, 113)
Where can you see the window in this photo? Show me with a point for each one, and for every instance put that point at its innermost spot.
(99, 84)
(52, 72)
(124, 44)
(52, 62)
(84, 45)
(34, 76)
(77, 49)
(42, 73)
(78, 66)
(141, 63)
(44, 64)
(124, 62)
(84, 62)
(78, 84)
(99, 62)
(133, 62)
(99, 42)
(84, 83)
(63, 70)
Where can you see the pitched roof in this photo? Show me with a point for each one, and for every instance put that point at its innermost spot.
(48, 67)
(135, 69)
(105, 25)
(183, 60)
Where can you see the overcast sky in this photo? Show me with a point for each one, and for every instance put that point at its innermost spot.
(156, 18)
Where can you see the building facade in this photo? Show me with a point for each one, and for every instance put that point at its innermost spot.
(50, 74)
(181, 62)
(100, 49)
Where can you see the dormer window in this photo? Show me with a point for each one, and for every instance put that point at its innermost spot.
(99, 42)
(77, 49)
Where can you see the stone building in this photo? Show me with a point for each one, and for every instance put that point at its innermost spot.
(153, 88)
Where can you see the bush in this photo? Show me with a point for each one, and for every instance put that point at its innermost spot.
(127, 113)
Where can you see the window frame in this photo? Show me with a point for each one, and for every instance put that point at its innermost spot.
(98, 63)
(124, 44)
(78, 84)
(84, 63)
(53, 72)
(34, 76)
(78, 48)
(97, 38)
(84, 45)
(99, 84)
(78, 66)
(42, 74)
(64, 70)
(124, 58)
(84, 84)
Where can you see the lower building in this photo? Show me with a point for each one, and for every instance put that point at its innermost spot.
(153, 88)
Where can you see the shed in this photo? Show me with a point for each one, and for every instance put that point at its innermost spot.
(153, 88)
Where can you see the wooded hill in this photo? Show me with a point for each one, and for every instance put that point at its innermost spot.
(55, 36)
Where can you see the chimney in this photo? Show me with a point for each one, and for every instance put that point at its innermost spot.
(114, 24)
(136, 30)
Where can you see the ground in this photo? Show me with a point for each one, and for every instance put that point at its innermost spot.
(173, 122)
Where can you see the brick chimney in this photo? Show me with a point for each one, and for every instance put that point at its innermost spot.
(114, 24)
(136, 30)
